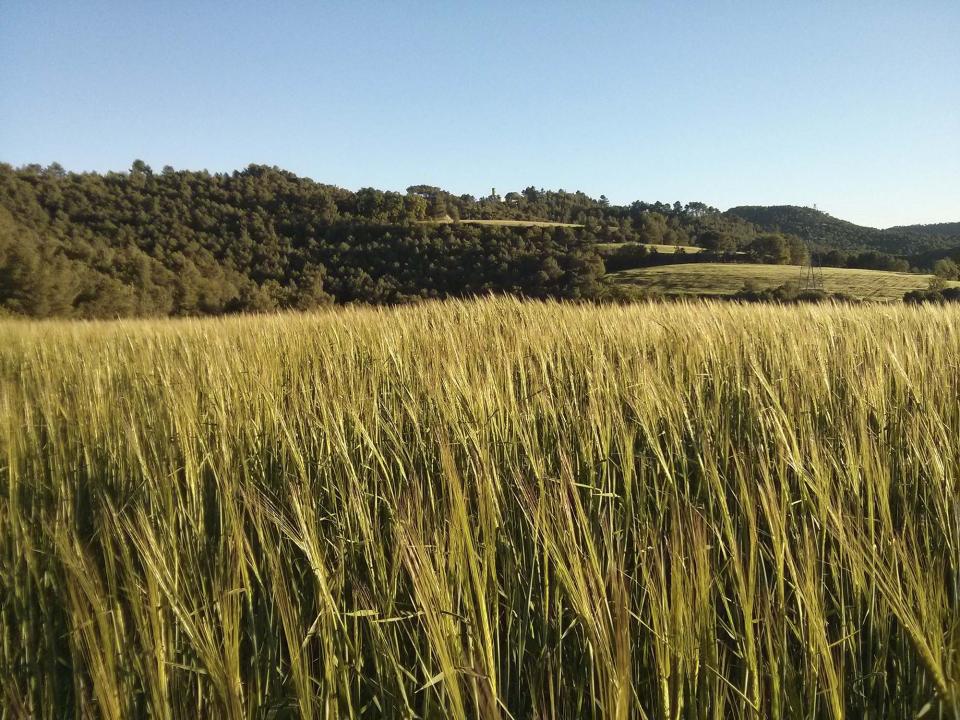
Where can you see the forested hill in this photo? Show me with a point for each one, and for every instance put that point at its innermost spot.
(829, 233)
(939, 230)
(187, 243)
(178, 242)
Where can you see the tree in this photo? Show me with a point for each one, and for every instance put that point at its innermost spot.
(716, 240)
(799, 254)
(947, 269)
(653, 226)
(139, 167)
(416, 206)
(369, 202)
(771, 248)
(35, 279)
(626, 256)
(55, 170)
(437, 206)
(307, 291)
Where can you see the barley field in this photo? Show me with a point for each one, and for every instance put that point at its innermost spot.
(485, 509)
(729, 278)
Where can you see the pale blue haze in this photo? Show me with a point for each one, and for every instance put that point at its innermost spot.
(854, 106)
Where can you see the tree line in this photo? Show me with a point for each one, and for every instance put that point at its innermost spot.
(185, 243)
(178, 242)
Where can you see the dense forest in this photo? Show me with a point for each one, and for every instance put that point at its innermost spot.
(936, 230)
(175, 242)
(184, 243)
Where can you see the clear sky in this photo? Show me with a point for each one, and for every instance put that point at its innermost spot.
(850, 105)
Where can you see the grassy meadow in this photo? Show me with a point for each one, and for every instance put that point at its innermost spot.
(729, 278)
(486, 509)
(663, 249)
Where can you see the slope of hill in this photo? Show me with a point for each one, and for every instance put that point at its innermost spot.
(727, 278)
(826, 232)
(191, 243)
(187, 243)
(945, 229)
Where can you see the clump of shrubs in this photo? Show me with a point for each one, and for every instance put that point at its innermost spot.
(626, 256)
(936, 292)
(931, 295)
(788, 293)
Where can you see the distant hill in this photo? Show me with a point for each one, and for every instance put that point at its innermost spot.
(947, 229)
(827, 232)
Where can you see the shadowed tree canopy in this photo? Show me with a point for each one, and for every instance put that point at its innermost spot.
(187, 243)
(141, 243)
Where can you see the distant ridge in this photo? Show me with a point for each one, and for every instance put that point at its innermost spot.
(825, 231)
(945, 229)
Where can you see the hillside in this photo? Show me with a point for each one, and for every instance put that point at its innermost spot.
(826, 232)
(947, 229)
(181, 242)
(192, 243)
(719, 279)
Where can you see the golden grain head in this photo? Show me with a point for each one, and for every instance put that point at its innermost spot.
(483, 509)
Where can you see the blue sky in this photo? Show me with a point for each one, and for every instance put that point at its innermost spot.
(852, 106)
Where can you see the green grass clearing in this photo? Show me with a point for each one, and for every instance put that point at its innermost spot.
(668, 249)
